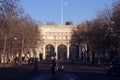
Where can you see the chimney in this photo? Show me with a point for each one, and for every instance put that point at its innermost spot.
(68, 23)
(50, 23)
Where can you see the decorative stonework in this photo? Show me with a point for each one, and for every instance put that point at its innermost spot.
(56, 35)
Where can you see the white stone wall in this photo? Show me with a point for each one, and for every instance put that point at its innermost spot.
(56, 35)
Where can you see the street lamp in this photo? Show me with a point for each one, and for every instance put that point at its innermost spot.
(15, 39)
(5, 39)
(111, 40)
(14, 45)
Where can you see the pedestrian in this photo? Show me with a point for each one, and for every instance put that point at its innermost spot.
(41, 58)
(36, 67)
(15, 60)
(60, 65)
(53, 66)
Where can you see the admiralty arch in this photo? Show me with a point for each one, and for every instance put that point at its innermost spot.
(57, 41)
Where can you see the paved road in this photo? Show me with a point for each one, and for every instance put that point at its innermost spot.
(71, 72)
(76, 76)
(68, 76)
(78, 72)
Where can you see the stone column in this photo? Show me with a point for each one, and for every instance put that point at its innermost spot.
(44, 52)
(56, 51)
(68, 49)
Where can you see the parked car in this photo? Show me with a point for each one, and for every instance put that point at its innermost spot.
(114, 67)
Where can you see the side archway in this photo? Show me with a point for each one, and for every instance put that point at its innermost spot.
(62, 52)
(74, 52)
(49, 50)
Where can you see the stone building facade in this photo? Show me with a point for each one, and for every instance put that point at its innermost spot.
(57, 40)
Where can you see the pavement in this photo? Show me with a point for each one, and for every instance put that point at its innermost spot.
(72, 71)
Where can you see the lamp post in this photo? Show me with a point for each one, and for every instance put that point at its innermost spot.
(111, 41)
(4, 59)
(14, 45)
(15, 38)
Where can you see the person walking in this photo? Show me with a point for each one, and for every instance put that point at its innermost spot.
(53, 66)
(36, 66)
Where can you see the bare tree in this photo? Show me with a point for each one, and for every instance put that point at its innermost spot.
(8, 11)
(18, 31)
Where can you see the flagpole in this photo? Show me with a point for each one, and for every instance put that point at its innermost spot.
(62, 12)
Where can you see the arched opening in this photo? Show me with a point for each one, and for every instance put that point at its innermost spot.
(49, 50)
(62, 52)
(74, 52)
(84, 54)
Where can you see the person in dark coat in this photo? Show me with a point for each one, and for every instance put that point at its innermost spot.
(36, 66)
(53, 66)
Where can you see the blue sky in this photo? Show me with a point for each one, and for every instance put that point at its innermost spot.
(76, 11)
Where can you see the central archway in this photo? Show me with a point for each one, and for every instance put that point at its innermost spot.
(74, 52)
(62, 52)
(49, 50)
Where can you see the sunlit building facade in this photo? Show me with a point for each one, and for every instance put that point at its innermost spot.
(58, 41)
